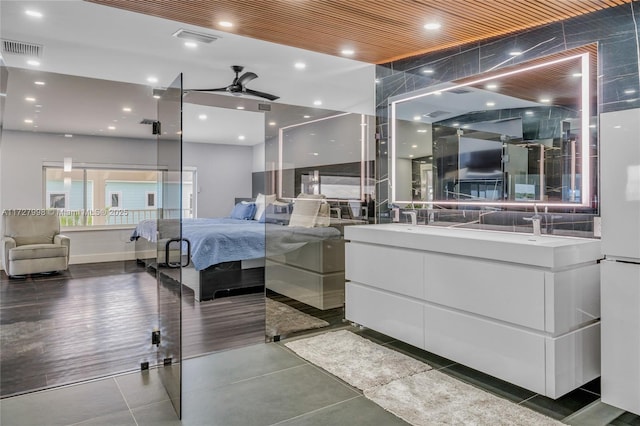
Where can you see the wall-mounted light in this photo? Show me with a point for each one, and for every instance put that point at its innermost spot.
(67, 164)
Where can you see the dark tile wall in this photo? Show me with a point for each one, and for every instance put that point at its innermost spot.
(616, 30)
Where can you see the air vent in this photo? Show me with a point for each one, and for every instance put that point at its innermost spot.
(459, 91)
(435, 114)
(22, 48)
(195, 36)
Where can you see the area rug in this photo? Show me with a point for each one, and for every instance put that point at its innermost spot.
(356, 360)
(434, 398)
(283, 320)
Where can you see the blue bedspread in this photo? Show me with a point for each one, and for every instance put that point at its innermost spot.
(218, 240)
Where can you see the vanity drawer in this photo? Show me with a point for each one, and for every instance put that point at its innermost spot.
(506, 292)
(397, 270)
(393, 315)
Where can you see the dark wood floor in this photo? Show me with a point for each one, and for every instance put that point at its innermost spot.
(96, 320)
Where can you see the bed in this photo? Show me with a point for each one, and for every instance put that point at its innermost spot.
(224, 254)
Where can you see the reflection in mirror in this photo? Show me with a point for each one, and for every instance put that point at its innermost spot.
(505, 138)
(319, 171)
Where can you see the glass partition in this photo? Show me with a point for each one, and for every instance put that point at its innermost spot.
(319, 178)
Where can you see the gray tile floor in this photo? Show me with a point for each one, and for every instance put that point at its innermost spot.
(264, 384)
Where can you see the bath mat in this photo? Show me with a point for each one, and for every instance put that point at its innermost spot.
(282, 320)
(356, 360)
(434, 398)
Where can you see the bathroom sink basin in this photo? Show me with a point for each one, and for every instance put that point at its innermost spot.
(537, 250)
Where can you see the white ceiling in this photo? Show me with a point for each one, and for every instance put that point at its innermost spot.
(88, 47)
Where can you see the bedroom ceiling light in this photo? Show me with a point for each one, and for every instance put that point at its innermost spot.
(300, 65)
(348, 52)
(225, 24)
(111, 127)
(126, 109)
(152, 79)
(68, 135)
(33, 63)
(490, 104)
(427, 71)
(317, 102)
(576, 74)
(33, 13)
(515, 53)
(492, 86)
(432, 26)
(202, 116)
(417, 118)
(239, 107)
(306, 116)
(190, 44)
(241, 137)
(272, 123)
(39, 83)
(28, 120)
(545, 100)
(30, 99)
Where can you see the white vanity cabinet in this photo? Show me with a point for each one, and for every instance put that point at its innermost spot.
(519, 307)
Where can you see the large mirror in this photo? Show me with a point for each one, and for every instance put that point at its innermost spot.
(509, 137)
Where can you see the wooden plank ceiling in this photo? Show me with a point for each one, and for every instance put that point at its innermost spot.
(378, 31)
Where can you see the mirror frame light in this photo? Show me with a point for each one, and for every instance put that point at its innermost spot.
(586, 188)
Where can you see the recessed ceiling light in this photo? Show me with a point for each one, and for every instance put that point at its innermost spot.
(629, 91)
(152, 79)
(428, 71)
(39, 83)
(202, 116)
(316, 154)
(528, 112)
(272, 123)
(576, 74)
(300, 65)
(416, 118)
(28, 120)
(432, 26)
(545, 100)
(191, 44)
(33, 63)
(317, 102)
(30, 99)
(456, 124)
(241, 137)
(33, 13)
(411, 156)
(306, 116)
(239, 107)
(126, 109)
(490, 104)
(515, 53)
(68, 135)
(225, 24)
(348, 52)
(422, 131)
(414, 146)
(491, 86)
(438, 93)
(111, 127)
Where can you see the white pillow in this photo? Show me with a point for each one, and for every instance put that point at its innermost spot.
(305, 210)
(262, 201)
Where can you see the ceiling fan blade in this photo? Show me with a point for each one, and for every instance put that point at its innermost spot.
(219, 89)
(261, 94)
(246, 77)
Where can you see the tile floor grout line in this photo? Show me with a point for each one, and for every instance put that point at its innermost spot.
(125, 401)
(316, 410)
(262, 375)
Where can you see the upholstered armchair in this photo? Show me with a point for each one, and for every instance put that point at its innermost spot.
(33, 244)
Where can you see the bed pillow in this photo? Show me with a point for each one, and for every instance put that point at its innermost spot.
(261, 202)
(243, 211)
(305, 210)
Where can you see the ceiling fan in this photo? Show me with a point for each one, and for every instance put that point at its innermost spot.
(237, 87)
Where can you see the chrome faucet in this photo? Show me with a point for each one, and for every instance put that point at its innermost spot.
(413, 216)
(535, 220)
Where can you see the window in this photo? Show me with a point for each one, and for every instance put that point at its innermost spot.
(57, 200)
(150, 200)
(103, 196)
(114, 200)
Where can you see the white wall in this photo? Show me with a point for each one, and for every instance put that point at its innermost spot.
(224, 172)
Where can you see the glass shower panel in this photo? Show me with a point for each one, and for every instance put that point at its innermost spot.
(319, 172)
